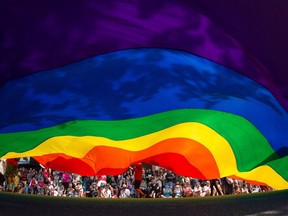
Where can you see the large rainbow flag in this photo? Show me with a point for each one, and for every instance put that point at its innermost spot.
(146, 96)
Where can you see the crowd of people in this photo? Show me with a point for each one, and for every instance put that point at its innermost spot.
(137, 182)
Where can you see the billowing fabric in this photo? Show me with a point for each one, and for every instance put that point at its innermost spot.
(161, 106)
(41, 35)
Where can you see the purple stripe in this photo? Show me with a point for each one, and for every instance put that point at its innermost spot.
(44, 35)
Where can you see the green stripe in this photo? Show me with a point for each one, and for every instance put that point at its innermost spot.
(280, 166)
(250, 147)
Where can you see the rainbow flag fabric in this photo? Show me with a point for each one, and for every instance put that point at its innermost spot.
(165, 107)
(151, 87)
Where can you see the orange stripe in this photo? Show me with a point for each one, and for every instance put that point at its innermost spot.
(110, 160)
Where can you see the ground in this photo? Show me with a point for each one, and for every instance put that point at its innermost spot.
(269, 203)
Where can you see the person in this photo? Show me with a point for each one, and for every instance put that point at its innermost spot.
(245, 189)
(215, 187)
(114, 186)
(256, 189)
(16, 179)
(51, 190)
(2, 179)
(101, 189)
(70, 191)
(60, 189)
(125, 192)
(170, 178)
(41, 187)
(159, 181)
(108, 191)
(144, 188)
(206, 190)
(167, 192)
(86, 182)
(32, 186)
(236, 190)
(148, 176)
(92, 190)
(79, 189)
(20, 188)
(197, 191)
(155, 190)
(102, 181)
(218, 188)
(138, 171)
(187, 190)
(66, 179)
(227, 185)
(178, 190)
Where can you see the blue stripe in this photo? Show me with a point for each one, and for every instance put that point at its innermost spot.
(134, 83)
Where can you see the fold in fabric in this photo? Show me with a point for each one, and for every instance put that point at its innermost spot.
(165, 107)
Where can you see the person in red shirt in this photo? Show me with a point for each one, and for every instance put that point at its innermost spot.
(102, 181)
(32, 185)
(138, 170)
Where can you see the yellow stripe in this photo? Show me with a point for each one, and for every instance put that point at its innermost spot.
(265, 174)
(79, 146)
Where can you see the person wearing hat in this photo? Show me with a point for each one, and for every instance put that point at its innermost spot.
(125, 192)
(167, 192)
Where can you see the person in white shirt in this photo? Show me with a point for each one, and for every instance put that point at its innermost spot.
(245, 189)
(178, 190)
(197, 189)
(106, 192)
(206, 190)
(125, 192)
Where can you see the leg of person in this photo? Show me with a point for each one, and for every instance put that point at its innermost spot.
(137, 188)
